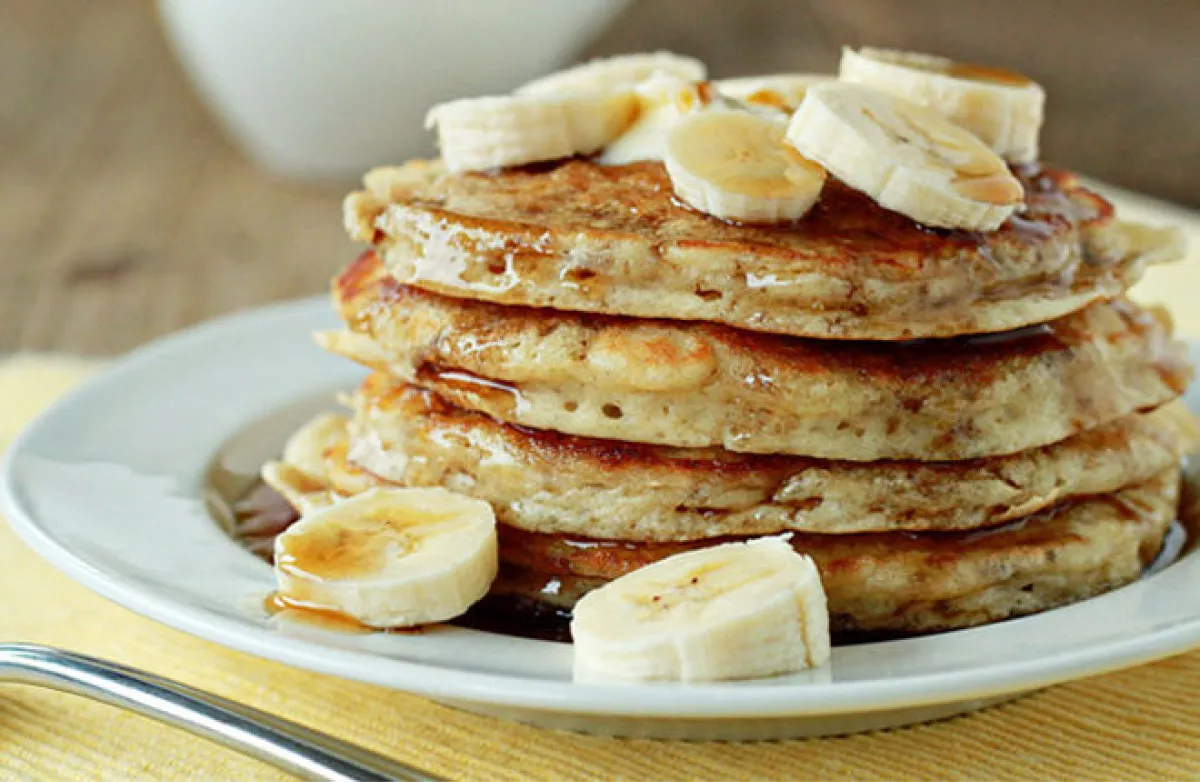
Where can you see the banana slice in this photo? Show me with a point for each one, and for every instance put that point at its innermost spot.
(906, 157)
(301, 490)
(734, 611)
(1153, 244)
(782, 91)
(477, 134)
(306, 449)
(1002, 107)
(736, 166)
(616, 72)
(390, 557)
(662, 101)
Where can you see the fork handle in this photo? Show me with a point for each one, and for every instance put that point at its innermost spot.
(294, 748)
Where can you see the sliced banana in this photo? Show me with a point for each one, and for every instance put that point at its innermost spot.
(307, 447)
(390, 557)
(1153, 244)
(736, 166)
(782, 91)
(616, 72)
(478, 134)
(302, 491)
(662, 101)
(906, 157)
(1002, 107)
(734, 611)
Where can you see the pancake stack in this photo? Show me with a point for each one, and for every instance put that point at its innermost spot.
(957, 426)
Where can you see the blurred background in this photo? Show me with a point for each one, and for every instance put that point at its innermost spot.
(130, 206)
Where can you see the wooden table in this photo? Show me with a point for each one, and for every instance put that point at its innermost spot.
(125, 213)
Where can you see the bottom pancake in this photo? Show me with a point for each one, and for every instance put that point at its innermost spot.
(906, 582)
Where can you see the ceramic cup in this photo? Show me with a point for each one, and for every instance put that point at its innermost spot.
(325, 89)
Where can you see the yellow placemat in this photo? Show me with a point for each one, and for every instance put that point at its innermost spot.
(1139, 724)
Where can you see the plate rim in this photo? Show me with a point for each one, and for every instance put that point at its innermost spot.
(766, 698)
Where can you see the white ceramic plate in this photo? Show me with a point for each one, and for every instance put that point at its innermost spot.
(109, 486)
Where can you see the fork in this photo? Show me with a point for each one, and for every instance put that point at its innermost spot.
(294, 748)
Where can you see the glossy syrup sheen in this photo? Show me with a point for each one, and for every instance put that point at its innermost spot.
(967, 70)
(289, 609)
(519, 236)
(480, 328)
(357, 547)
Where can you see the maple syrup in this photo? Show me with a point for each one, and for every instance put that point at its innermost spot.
(470, 385)
(974, 72)
(291, 610)
(288, 609)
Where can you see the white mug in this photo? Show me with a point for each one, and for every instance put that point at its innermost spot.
(330, 88)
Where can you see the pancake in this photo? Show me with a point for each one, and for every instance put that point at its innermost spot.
(613, 239)
(903, 582)
(551, 483)
(888, 581)
(702, 385)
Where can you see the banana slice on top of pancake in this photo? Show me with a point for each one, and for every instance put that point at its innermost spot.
(736, 166)
(663, 100)
(1003, 108)
(617, 72)
(906, 157)
(478, 134)
(781, 91)
(732, 611)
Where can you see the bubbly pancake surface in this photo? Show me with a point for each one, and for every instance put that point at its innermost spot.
(581, 236)
(702, 385)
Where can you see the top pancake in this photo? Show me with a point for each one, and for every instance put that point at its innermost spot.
(612, 239)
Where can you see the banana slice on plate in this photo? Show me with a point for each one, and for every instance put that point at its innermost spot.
(733, 611)
(390, 557)
(301, 476)
(306, 449)
(662, 101)
(478, 134)
(302, 491)
(906, 157)
(1004, 108)
(616, 72)
(782, 91)
(736, 166)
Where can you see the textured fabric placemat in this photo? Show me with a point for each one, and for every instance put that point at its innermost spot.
(1142, 723)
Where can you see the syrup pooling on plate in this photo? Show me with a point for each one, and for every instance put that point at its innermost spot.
(285, 609)
(259, 517)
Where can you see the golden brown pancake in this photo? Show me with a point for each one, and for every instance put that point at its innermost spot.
(907, 582)
(892, 581)
(551, 483)
(581, 236)
(702, 385)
